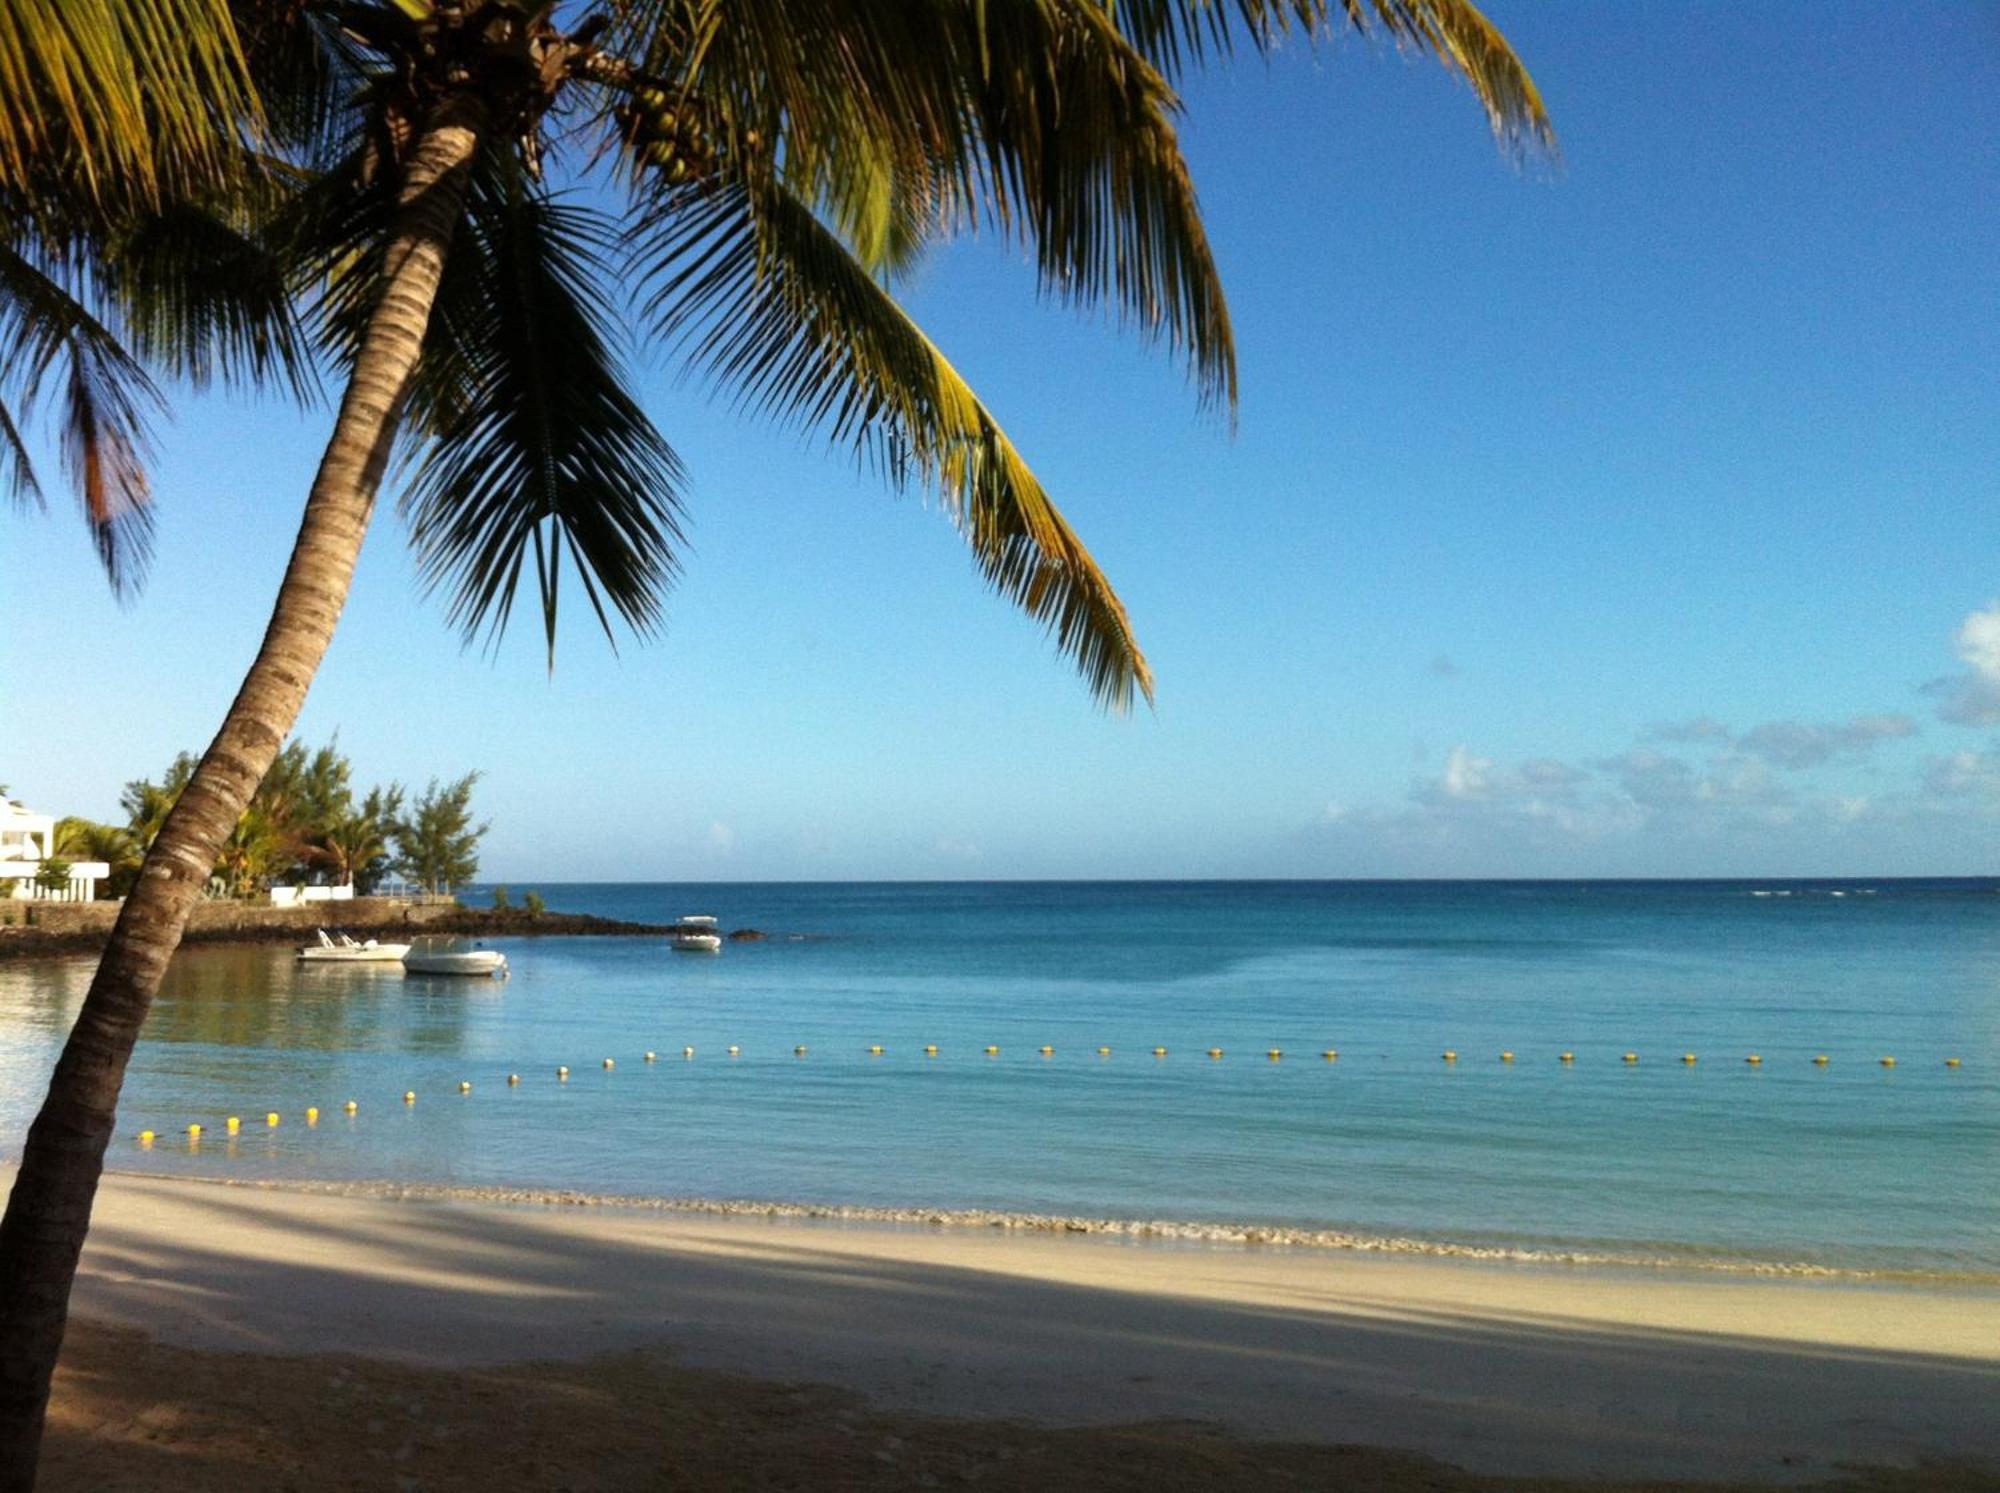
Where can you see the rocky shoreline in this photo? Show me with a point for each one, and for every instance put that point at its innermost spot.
(35, 941)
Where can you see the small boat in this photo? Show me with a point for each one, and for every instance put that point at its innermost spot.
(490, 962)
(696, 934)
(340, 949)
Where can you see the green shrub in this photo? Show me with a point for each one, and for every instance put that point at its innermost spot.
(534, 904)
(500, 902)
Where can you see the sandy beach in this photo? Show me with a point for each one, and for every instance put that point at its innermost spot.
(1505, 1370)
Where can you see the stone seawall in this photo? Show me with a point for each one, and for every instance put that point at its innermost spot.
(247, 918)
(82, 927)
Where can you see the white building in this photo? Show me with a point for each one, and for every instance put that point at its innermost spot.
(26, 840)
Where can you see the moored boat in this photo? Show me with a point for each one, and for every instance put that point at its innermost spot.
(490, 962)
(696, 934)
(340, 949)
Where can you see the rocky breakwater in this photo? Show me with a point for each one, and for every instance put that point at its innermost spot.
(82, 927)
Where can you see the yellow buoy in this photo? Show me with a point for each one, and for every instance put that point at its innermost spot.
(800, 1050)
(1821, 1060)
(688, 1052)
(1104, 1052)
(1755, 1059)
(1506, 1057)
(1631, 1057)
(350, 1106)
(1688, 1058)
(1951, 1062)
(733, 1051)
(875, 1051)
(930, 1049)
(1275, 1053)
(562, 1073)
(1215, 1052)
(410, 1096)
(1450, 1056)
(609, 1064)
(1048, 1052)
(1330, 1054)
(992, 1052)
(194, 1132)
(513, 1079)
(271, 1118)
(652, 1056)
(145, 1137)
(232, 1124)
(1159, 1052)
(1569, 1057)
(312, 1115)
(1888, 1062)
(465, 1086)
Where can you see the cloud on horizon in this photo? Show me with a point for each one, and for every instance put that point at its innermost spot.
(1972, 698)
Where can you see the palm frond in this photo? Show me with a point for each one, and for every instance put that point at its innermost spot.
(205, 295)
(17, 467)
(1179, 34)
(774, 304)
(104, 400)
(104, 445)
(540, 453)
(1035, 117)
(120, 97)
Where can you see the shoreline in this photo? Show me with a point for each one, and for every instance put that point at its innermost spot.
(1220, 1234)
(289, 926)
(1507, 1368)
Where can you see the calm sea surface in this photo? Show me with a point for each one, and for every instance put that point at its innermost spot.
(1852, 1165)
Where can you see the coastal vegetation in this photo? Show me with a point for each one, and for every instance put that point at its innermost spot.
(305, 825)
(267, 192)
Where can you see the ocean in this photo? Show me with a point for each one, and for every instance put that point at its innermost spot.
(1782, 1166)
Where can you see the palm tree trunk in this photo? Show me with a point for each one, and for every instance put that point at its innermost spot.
(48, 1214)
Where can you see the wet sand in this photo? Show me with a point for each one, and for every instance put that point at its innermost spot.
(1534, 1371)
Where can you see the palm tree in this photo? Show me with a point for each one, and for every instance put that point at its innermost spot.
(355, 846)
(781, 162)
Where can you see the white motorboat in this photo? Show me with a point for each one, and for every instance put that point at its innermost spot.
(340, 949)
(490, 962)
(696, 934)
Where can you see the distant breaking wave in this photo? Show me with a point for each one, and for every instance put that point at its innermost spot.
(1160, 1231)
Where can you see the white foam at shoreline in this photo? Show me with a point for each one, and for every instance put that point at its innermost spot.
(1161, 1231)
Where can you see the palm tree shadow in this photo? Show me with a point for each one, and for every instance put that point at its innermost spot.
(433, 1284)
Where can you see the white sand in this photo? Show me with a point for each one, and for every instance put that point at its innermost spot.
(1503, 1368)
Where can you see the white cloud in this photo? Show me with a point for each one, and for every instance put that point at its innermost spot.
(955, 849)
(721, 838)
(1465, 776)
(1973, 698)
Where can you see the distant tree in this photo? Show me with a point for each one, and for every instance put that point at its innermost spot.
(147, 804)
(52, 875)
(256, 850)
(86, 840)
(500, 903)
(533, 904)
(437, 846)
(354, 848)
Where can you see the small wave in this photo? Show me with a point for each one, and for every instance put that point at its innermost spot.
(1160, 1231)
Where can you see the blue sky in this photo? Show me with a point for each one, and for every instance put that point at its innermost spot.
(1633, 518)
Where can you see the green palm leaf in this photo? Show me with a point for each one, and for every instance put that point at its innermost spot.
(539, 452)
(119, 100)
(1035, 117)
(773, 303)
(1176, 34)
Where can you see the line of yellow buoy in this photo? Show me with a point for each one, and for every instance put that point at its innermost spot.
(233, 1124)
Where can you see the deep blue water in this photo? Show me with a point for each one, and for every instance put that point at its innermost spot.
(1851, 1164)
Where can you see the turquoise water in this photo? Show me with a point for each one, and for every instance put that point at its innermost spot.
(1852, 1165)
